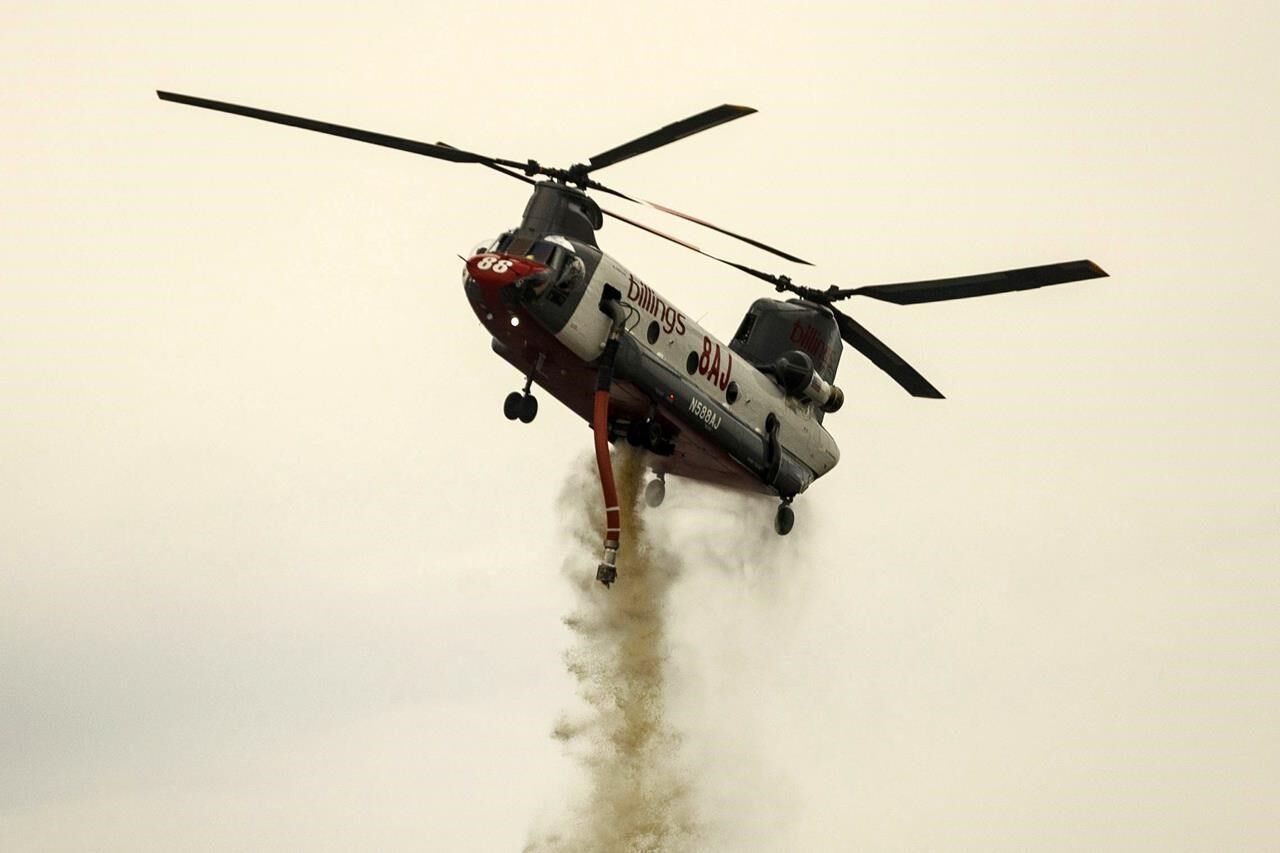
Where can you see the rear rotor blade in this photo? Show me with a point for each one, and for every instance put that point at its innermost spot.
(671, 133)
(963, 287)
(884, 358)
(455, 155)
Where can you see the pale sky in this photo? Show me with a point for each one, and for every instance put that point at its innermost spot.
(275, 573)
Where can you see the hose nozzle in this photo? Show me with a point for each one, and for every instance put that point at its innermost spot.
(607, 571)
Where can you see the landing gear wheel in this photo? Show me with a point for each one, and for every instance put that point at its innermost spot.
(528, 408)
(511, 405)
(646, 434)
(784, 520)
(655, 492)
(772, 451)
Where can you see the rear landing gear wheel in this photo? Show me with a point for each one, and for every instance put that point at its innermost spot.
(636, 434)
(646, 434)
(784, 520)
(655, 492)
(511, 405)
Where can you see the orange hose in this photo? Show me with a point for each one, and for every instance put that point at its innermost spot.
(600, 426)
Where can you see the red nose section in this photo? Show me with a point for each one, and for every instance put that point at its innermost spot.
(493, 270)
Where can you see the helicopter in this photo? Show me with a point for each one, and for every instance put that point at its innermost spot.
(746, 414)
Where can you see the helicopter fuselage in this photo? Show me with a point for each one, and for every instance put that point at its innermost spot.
(704, 410)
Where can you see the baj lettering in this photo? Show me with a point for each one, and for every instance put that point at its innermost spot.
(709, 364)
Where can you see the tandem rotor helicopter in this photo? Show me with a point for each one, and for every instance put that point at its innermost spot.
(747, 414)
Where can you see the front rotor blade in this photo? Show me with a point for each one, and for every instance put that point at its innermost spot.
(490, 164)
(670, 133)
(884, 358)
(664, 136)
(763, 276)
(455, 155)
(661, 234)
(729, 233)
(963, 287)
(595, 185)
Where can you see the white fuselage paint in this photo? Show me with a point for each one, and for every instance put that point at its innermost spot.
(678, 336)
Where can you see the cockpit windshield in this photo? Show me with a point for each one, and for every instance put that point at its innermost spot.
(557, 255)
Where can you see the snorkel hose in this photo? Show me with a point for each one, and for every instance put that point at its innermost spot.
(607, 571)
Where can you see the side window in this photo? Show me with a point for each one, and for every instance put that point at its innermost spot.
(575, 271)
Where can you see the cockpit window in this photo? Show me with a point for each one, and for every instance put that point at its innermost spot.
(546, 253)
(566, 269)
(496, 244)
(573, 272)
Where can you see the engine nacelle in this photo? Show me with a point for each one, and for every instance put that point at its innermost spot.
(795, 373)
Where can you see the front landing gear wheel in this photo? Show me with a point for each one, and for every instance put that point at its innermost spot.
(784, 520)
(655, 492)
(511, 405)
(522, 407)
(528, 408)
(521, 404)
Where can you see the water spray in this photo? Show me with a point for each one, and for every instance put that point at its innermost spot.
(638, 795)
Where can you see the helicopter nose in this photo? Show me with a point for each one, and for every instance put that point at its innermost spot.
(493, 271)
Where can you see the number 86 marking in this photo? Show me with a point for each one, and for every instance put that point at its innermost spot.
(498, 265)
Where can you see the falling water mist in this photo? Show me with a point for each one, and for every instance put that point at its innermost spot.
(637, 798)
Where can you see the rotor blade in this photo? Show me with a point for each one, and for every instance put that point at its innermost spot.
(729, 233)
(776, 281)
(963, 287)
(772, 279)
(658, 233)
(489, 164)
(670, 133)
(884, 358)
(680, 242)
(455, 155)
(595, 185)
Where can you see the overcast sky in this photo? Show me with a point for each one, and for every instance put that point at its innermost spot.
(275, 573)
